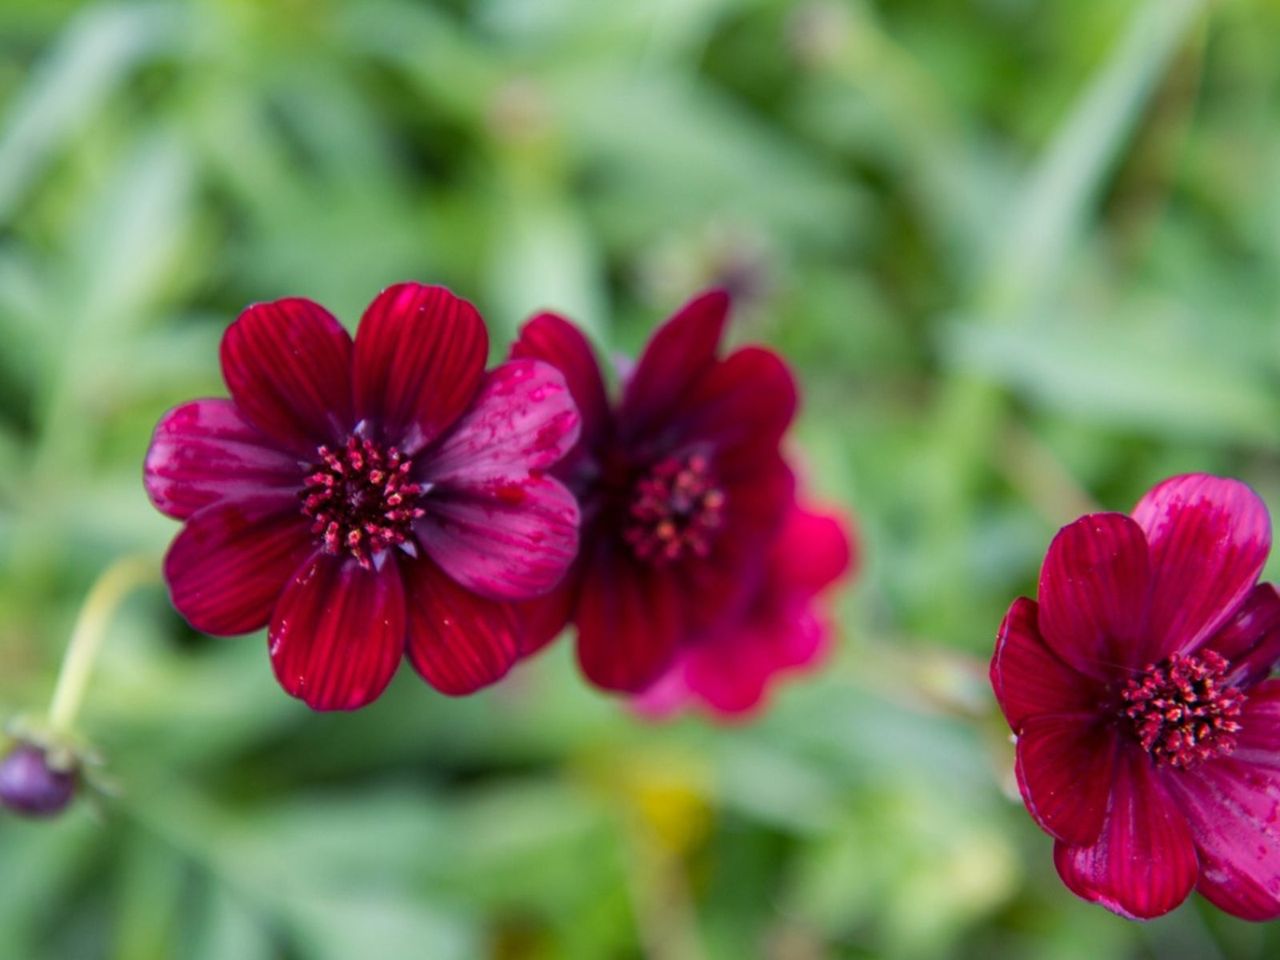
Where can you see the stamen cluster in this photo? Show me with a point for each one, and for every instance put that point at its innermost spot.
(1181, 710)
(675, 510)
(361, 498)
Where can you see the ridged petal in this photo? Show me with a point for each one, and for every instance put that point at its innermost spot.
(458, 641)
(1028, 678)
(756, 504)
(545, 618)
(419, 358)
(229, 565)
(1209, 539)
(338, 633)
(552, 338)
(495, 522)
(742, 405)
(523, 421)
(783, 628)
(515, 546)
(680, 351)
(205, 451)
(1250, 640)
(629, 623)
(288, 366)
(1258, 742)
(1232, 808)
(1093, 593)
(1144, 863)
(1065, 765)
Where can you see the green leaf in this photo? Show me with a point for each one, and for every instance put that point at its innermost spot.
(71, 85)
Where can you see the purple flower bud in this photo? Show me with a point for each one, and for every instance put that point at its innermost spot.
(30, 787)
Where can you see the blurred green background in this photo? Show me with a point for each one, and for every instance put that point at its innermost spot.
(1025, 256)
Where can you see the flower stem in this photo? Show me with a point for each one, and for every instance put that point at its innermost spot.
(105, 596)
(665, 917)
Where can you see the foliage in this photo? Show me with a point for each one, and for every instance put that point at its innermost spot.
(1024, 255)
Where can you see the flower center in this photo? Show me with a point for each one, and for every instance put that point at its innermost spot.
(361, 498)
(675, 510)
(1181, 711)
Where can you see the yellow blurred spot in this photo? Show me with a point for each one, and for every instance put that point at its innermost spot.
(667, 794)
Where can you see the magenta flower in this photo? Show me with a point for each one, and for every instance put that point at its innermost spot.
(368, 499)
(1148, 734)
(682, 489)
(784, 628)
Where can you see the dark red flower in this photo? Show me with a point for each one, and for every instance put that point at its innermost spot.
(1148, 734)
(31, 786)
(368, 499)
(682, 489)
(785, 627)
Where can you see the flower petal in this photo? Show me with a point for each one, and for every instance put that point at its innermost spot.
(288, 366)
(743, 404)
(629, 623)
(1234, 812)
(205, 451)
(732, 694)
(801, 639)
(1093, 590)
(1065, 765)
(1209, 540)
(523, 420)
(782, 629)
(1144, 863)
(755, 505)
(1028, 678)
(227, 567)
(544, 618)
(680, 352)
(666, 696)
(555, 340)
(338, 633)
(458, 642)
(1258, 742)
(420, 354)
(733, 675)
(494, 523)
(727, 674)
(514, 546)
(1250, 640)
(814, 549)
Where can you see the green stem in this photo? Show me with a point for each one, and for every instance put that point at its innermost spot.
(115, 583)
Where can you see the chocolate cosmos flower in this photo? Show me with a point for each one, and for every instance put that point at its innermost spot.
(784, 628)
(368, 499)
(682, 490)
(1148, 734)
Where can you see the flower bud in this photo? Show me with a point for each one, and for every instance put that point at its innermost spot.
(31, 786)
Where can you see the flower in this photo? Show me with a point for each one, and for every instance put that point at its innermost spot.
(682, 488)
(785, 626)
(1148, 734)
(33, 786)
(368, 498)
